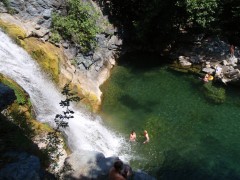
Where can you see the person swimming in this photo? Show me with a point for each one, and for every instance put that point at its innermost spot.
(133, 136)
(146, 137)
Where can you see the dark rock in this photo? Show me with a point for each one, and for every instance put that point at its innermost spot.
(27, 167)
(7, 96)
(40, 21)
(47, 13)
(94, 165)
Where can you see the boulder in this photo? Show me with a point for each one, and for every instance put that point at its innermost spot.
(88, 165)
(208, 70)
(7, 96)
(184, 61)
(25, 167)
(94, 165)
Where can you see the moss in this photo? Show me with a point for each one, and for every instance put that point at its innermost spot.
(13, 31)
(22, 97)
(214, 94)
(46, 54)
(194, 69)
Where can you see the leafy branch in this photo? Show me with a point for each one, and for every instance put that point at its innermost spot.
(60, 119)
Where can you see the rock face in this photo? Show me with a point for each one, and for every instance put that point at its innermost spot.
(86, 72)
(26, 167)
(7, 96)
(214, 57)
(93, 165)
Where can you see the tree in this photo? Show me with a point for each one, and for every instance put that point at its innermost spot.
(60, 119)
(201, 12)
(53, 141)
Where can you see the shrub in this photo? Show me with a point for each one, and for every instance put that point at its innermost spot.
(79, 24)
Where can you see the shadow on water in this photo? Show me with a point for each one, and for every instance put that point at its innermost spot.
(135, 105)
(141, 60)
(176, 167)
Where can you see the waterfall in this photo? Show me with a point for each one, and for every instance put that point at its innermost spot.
(84, 131)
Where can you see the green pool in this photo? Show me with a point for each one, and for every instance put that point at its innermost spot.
(190, 136)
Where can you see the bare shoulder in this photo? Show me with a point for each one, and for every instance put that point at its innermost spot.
(113, 175)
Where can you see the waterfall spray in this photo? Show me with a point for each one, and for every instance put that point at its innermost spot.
(84, 132)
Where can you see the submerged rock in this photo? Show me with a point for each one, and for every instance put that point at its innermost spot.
(215, 94)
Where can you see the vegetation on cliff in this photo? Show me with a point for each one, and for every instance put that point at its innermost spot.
(154, 24)
(79, 24)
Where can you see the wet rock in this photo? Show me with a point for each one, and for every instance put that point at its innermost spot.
(7, 96)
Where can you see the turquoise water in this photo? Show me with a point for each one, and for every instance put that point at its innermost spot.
(190, 137)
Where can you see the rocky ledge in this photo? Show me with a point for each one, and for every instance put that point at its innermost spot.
(213, 56)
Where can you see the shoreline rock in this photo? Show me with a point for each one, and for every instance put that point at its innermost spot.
(213, 56)
(94, 165)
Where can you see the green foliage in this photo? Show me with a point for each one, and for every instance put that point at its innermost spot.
(154, 24)
(53, 138)
(60, 119)
(55, 37)
(201, 12)
(79, 24)
(214, 94)
(7, 5)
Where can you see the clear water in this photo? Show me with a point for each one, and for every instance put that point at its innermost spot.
(190, 138)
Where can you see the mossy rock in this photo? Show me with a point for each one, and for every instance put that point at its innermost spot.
(214, 94)
(22, 96)
(13, 30)
(195, 69)
(46, 54)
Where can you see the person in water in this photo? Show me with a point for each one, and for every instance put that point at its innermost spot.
(133, 136)
(115, 171)
(146, 137)
(206, 78)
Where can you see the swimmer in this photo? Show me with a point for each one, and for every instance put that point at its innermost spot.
(115, 171)
(206, 78)
(133, 136)
(146, 137)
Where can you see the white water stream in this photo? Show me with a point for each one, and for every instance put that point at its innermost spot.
(84, 132)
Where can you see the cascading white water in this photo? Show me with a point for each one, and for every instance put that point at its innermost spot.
(83, 132)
